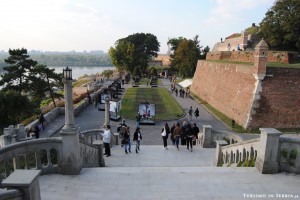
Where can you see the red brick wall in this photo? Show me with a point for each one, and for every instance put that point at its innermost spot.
(248, 56)
(280, 99)
(227, 87)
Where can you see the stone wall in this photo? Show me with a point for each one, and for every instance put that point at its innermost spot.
(279, 103)
(248, 56)
(227, 87)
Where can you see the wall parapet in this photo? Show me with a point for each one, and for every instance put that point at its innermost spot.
(248, 56)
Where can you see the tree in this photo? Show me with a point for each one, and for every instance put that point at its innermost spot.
(186, 55)
(46, 82)
(17, 73)
(281, 25)
(134, 51)
(14, 107)
(107, 73)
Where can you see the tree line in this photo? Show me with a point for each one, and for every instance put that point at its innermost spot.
(67, 59)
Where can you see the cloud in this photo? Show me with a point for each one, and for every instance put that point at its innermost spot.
(228, 12)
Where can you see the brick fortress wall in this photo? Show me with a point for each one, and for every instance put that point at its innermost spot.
(229, 88)
(279, 105)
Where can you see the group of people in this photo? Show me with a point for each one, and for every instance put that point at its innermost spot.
(37, 128)
(182, 92)
(191, 112)
(124, 134)
(187, 133)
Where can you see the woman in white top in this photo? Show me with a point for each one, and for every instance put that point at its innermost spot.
(106, 140)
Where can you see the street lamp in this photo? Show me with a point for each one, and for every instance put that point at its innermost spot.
(67, 72)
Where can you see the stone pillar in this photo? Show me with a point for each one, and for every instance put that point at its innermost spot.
(244, 40)
(206, 136)
(260, 58)
(266, 161)
(107, 115)
(219, 160)
(71, 162)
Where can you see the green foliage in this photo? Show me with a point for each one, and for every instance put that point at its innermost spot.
(186, 54)
(107, 73)
(281, 25)
(80, 82)
(153, 71)
(25, 84)
(247, 163)
(284, 153)
(134, 51)
(14, 108)
(16, 76)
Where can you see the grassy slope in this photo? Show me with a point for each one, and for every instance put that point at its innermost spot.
(167, 107)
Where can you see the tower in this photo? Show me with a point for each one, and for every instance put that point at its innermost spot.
(260, 58)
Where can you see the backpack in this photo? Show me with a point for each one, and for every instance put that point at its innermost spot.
(122, 130)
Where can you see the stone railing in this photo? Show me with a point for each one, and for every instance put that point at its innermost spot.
(289, 154)
(43, 154)
(235, 153)
(270, 153)
(207, 137)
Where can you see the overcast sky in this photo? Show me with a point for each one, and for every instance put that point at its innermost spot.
(66, 25)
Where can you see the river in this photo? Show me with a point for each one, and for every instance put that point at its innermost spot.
(80, 70)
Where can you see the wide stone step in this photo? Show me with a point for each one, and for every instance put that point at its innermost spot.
(156, 156)
(174, 183)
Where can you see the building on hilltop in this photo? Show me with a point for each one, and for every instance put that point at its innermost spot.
(254, 95)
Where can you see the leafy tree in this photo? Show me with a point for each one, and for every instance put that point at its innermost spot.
(186, 55)
(281, 25)
(153, 71)
(16, 74)
(45, 81)
(14, 107)
(134, 51)
(107, 73)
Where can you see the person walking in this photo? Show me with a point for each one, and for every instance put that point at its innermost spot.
(41, 120)
(189, 137)
(195, 130)
(165, 133)
(106, 140)
(137, 137)
(37, 131)
(191, 113)
(196, 113)
(177, 134)
(138, 119)
(127, 142)
(121, 130)
(172, 134)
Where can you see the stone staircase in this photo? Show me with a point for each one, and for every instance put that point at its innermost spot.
(155, 173)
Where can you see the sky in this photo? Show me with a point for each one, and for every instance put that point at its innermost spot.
(85, 25)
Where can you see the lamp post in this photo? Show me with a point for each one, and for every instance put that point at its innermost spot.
(69, 110)
(71, 162)
(107, 116)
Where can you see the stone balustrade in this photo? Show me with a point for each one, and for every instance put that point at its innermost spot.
(239, 152)
(43, 154)
(289, 156)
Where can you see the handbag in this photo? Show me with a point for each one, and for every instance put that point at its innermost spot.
(164, 133)
(124, 142)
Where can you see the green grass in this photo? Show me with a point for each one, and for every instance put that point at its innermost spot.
(277, 64)
(237, 128)
(80, 82)
(166, 108)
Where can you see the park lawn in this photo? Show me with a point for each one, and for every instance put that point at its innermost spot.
(166, 107)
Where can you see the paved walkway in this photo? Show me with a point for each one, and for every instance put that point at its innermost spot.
(92, 118)
(155, 173)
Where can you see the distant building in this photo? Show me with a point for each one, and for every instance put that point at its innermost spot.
(160, 60)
